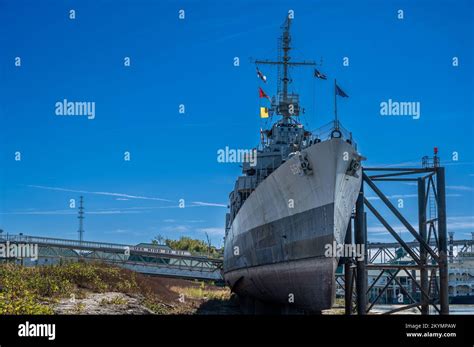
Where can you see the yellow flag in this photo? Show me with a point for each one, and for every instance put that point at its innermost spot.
(263, 112)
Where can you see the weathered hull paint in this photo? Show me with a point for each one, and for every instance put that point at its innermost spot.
(275, 253)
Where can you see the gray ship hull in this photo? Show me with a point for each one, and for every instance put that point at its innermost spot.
(275, 246)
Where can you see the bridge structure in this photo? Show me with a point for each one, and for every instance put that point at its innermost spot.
(385, 252)
(150, 260)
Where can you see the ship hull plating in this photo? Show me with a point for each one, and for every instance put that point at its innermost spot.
(275, 247)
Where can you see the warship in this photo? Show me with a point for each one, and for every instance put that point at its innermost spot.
(297, 199)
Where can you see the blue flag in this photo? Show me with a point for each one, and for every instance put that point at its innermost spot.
(340, 92)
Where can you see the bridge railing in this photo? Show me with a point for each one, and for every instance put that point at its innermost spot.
(100, 246)
(62, 242)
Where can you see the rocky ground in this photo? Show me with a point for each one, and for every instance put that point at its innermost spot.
(111, 303)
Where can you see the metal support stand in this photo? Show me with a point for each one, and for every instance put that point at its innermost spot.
(427, 255)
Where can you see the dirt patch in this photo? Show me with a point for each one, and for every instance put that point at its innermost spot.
(180, 296)
(111, 303)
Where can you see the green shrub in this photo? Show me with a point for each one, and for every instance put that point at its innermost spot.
(28, 290)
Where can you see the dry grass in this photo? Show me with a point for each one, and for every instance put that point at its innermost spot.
(202, 293)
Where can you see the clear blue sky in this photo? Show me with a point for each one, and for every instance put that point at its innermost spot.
(190, 61)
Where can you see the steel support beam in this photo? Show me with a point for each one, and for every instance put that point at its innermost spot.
(423, 252)
(443, 244)
(360, 239)
(348, 273)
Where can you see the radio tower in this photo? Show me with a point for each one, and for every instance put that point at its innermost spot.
(81, 218)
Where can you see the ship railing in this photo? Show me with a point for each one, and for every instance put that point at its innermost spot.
(331, 130)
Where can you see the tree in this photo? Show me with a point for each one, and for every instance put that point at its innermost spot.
(185, 243)
(209, 244)
(158, 240)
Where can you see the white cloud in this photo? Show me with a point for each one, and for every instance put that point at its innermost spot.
(121, 195)
(118, 231)
(451, 163)
(184, 221)
(461, 188)
(453, 224)
(403, 164)
(176, 229)
(408, 196)
(71, 212)
(125, 197)
(51, 212)
(115, 212)
(460, 218)
(201, 203)
(395, 196)
(380, 229)
(460, 223)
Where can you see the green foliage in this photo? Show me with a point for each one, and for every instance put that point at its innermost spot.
(203, 293)
(156, 306)
(28, 304)
(29, 290)
(17, 295)
(186, 243)
(79, 308)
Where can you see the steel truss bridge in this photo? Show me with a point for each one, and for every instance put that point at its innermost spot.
(385, 252)
(164, 262)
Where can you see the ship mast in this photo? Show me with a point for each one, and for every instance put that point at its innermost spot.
(287, 103)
